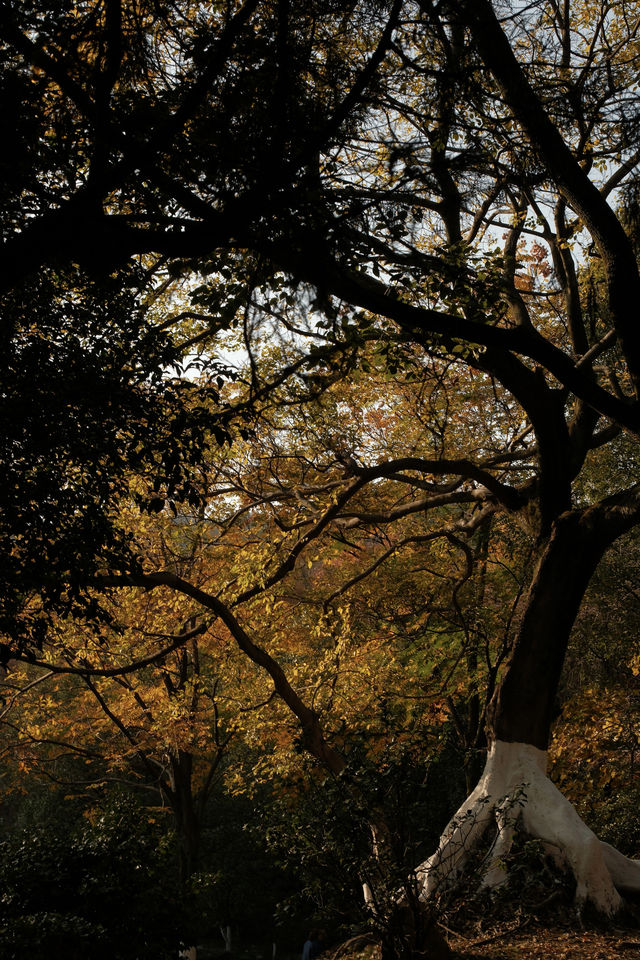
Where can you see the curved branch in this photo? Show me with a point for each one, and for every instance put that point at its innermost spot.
(88, 671)
(431, 328)
(289, 562)
(446, 532)
(309, 720)
(8, 704)
(504, 494)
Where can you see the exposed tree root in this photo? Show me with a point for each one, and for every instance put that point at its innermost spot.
(515, 788)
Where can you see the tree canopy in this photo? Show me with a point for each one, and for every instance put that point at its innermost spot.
(416, 226)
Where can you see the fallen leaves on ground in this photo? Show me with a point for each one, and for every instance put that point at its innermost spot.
(548, 944)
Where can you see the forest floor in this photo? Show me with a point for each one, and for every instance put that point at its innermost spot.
(548, 943)
(531, 940)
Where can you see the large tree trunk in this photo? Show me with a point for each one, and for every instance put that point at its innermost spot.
(514, 787)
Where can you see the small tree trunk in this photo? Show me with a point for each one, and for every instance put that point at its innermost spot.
(406, 926)
(412, 931)
(182, 801)
(226, 936)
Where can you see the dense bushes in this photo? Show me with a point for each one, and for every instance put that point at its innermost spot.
(103, 888)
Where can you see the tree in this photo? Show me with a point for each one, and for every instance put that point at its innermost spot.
(372, 691)
(165, 727)
(460, 189)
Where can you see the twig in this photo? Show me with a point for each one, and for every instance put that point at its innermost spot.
(362, 939)
(500, 933)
